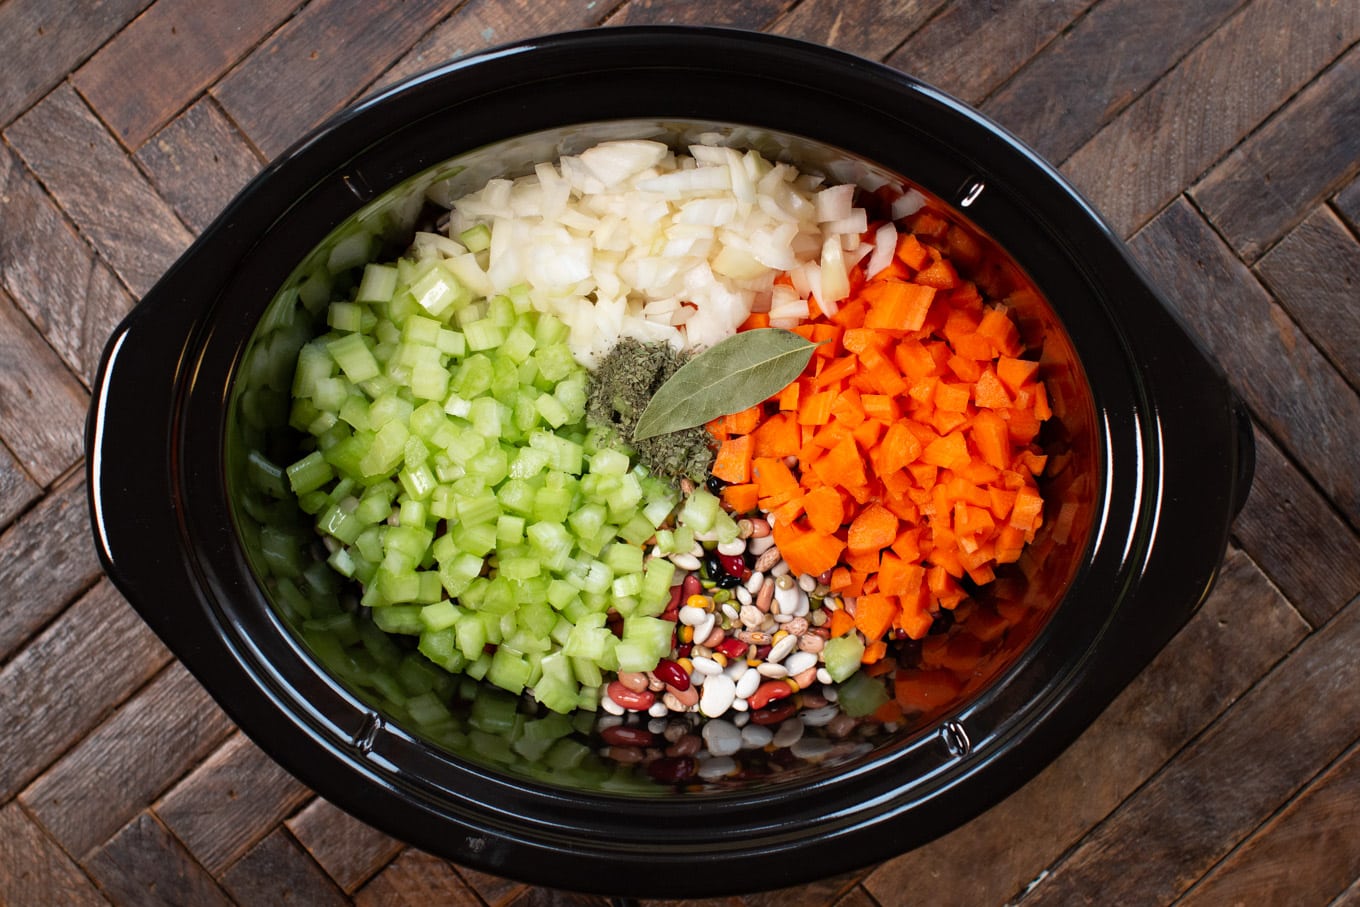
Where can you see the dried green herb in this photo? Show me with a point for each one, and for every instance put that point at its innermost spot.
(730, 376)
(622, 386)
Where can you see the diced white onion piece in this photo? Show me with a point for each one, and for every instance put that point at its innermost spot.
(909, 203)
(835, 203)
(613, 162)
(835, 276)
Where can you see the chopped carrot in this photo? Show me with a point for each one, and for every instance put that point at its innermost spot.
(841, 622)
(741, 498)
(874, 614)
(772, 476)
(873, 529)
(733, 462)
(824, 509)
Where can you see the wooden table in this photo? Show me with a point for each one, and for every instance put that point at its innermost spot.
(1222, 137)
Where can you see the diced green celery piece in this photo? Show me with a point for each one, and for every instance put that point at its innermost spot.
(500, 310)
(440, 615)
(354, 357)
(376, 503)
(609, 462)
(388, 408)
(626, 586)
(474, 538)
(354, 411)
(572, 394)
(483, 335)
(842, 655)
(478, 666)
(342, 562)
(339, 523)
(623, 558)
(488, 417)
(555, 360)
(419, 482)
(451, 343)
(637, 530)
(476, 238)
(471, 637)
(480, 508)
(623, 501)
(655, 592)
(561, 593)
(404, 619)
(518, 344)
(473, 377)
(309, 473)
(491, 465)
(345, 316)
(557, 689)
(429, 382)
(421, 331)
(529, 462)
(425, 710)
(665, 541)
(684, 538)
(519, 568)
(431, 587)
(725, 527)
(441, 647)
(517, 496)
(370, 543)
(321, 425)
(549, 330)
(509, 530)
(378, 284)
(553, 504)
(458, 572)
(425, 420)
(410, 541)
(552, 411)
(700, 511)
(656, 509)
(438, 291)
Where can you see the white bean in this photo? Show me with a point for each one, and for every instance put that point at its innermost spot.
(685, 561)
(691, 616)
(706, 665)
(752, 582)
(704, 629)
(789, 733)
(782, 648)
(799, 662)
(772, 671)
(719, 691)
(734, 547)
(717, 767)
(755, 736)
(759, 546)
(658, 709)
(722, 738)
(807, 582)
(748, 683)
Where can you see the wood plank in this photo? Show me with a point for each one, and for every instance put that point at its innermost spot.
(1290, 386)
(857, 897)
(1222, 90)
(46, 559)
(1350, 897)
(871, 30)
(811, 894)
(199, 162)
(1315, 274)
(350, 851)
(54, 276)
(100, 189)
(277, 871)
(417, 879)
(752, 14)
(317, 62)
(973, 46)
(1243, 629)
(34, 870)
(493, 889)
(481, 24)
(177, 48)
(64, 682)
(1278, 736)
(1055, 113)
(42, 405)
(17, 490)
(1308, 854)
(552, 897)
(1290, 529)
(1272, 180)
(1347, 203)
(127, 762)
(144, 866)
(229, 802)
(43, 40)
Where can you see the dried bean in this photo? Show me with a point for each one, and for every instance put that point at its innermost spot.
(686, 696)
(775, 713)
(687, 745)
(685, 561)
(672, 770)
(633, 680)
(624, 755)
(627, 735)
(766, 595)
(635, 700)
(759, 528)
(766, 561)
(671, 674)
(734, 548)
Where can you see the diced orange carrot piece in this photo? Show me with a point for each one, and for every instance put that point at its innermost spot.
(733, 462)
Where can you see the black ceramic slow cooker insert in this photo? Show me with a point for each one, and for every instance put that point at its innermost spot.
(1155, 457)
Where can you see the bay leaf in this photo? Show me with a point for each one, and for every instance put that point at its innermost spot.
(728, 377)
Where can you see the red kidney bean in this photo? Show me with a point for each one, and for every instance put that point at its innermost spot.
(775, 713)
(671, 674)
(763, 652)
(672, 610)
(734, 564)
(627, 735)
(690, 586)
(637, 700)
(683, 649)
(627, 755)
(733, 648)
(671, 769)
(766, 693)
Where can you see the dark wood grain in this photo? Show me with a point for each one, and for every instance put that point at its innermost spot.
(493, 889)
(1243, 629)
(1222, 90)
(229, 802)
(128, 761)
(1289, 385)
(869, 29)
(1297, 538)
(817, 892)
(52, 273)
(1054, 109)
(34, 870)
(96, 654)
(1300, 156)
(1315, 274)
(43, 40)
(42, 405)
(349, 850)
(1347, 203)
(178, 48)
(277, 872)
(481, 24)
(1289, 727)
(17, 490)
(857, 897)
(144, 866)
(416, 879)
(311, 66)
(199, 162)
(1348, 898)
(93, 180)
(749, 14)
(46, 559)
(551, 897)
(973, 46)
(1313, 836)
